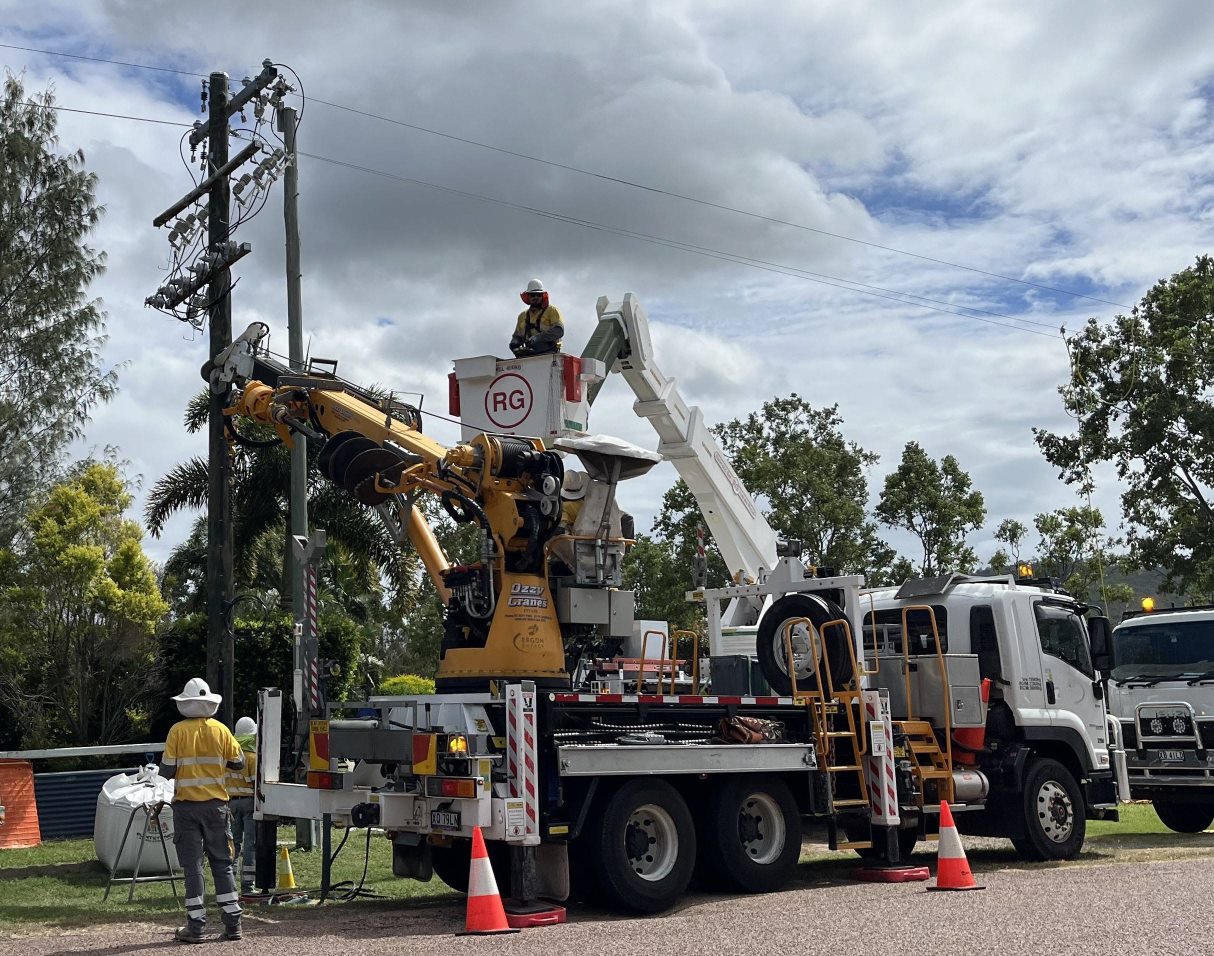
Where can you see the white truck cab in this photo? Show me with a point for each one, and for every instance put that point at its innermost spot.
(1025, 656)
(1161, 689)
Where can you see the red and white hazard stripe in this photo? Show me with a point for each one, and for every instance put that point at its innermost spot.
(310, 611)
(670, 699)
(522, 756)
(882, 784)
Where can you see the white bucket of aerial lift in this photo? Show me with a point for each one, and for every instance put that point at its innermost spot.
(542, 396)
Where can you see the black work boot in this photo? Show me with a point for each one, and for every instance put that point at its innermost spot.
(192, 932)
(232, 931)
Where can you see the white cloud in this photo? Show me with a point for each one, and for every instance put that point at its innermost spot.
(1068, 145)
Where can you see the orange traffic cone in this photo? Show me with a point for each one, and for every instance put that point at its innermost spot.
(486, 915)
(952, 868)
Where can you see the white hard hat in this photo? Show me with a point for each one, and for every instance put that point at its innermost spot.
(535, 286)
(246, 726)
(573, 486)
(197, 700)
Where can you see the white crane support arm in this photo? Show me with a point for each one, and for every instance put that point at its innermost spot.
(747, 542)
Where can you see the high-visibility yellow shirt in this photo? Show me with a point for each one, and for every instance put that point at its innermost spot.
(200, 748)
(240, 782)
(532, 322)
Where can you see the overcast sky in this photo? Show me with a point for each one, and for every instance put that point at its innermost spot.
(1067, 145)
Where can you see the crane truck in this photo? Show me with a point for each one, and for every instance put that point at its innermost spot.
(1025, 663)
(571, 779)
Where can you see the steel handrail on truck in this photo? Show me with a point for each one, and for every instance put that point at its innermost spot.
(947, 694)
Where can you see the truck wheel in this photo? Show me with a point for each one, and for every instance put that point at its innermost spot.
(1185, 817)
(772, 654)
(750, 835)
(645, 850)
(453, 863)
(1053, 813)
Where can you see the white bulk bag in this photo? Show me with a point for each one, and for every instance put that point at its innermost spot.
(118, 799)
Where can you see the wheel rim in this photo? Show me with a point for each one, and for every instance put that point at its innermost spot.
(651, 841)
(761, 828)
(802, 652)
(1055, 812)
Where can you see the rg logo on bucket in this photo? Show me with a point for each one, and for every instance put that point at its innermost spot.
(508, 400)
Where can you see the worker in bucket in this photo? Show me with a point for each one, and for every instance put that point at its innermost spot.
(573, 494)
(197, 755)
(539, 328)
(240, 800)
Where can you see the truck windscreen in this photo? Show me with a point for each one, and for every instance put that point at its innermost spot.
(1164, 650)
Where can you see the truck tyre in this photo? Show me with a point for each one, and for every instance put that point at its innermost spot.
(770, 644)
(750, 835)
(645, 851)
(453, 863)
(1054, 814)
(1185, 817)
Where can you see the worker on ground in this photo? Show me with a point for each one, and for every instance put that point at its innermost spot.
(240, 800)
(197, 755)
(539, 328)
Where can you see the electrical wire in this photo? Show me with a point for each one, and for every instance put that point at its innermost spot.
(760, 264)
(125, 116)
(849, 285)
(352, 890)
(623, 182)
(764, 265)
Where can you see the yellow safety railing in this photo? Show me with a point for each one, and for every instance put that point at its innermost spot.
(695, 658)
(643, 664)
(947, 690)
(826, 693)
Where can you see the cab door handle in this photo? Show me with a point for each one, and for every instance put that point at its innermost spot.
(1049, 692)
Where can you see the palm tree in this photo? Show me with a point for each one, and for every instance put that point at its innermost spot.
(261, 477)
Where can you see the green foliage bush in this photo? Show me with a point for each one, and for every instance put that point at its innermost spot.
(264, 658)
(405, 685)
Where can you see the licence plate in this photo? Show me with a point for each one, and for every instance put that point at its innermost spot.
(1171, 756)
(444, 820)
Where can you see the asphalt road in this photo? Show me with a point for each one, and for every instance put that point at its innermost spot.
(1139, 909)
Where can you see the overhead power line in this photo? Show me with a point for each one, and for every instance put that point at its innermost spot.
(136, 119)
(838, 282)
(762, 264)
(657, 190)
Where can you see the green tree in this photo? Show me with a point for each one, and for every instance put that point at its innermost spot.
(794, 457)
(261, 477)
(1074, 553)
(937, 504)
(660, 568)
(264, 658)
(1140, 392)
(1011, 533)
(79, 612)
(51, 374)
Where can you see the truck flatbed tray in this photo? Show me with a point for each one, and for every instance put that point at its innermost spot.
(597, 760)
(689, 699)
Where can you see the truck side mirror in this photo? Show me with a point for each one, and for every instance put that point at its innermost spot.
(1100, 640)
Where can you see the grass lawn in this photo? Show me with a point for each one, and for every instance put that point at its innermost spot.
(60, 884)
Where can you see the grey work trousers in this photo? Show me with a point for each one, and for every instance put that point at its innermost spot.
(244, 835)
(202, 827)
